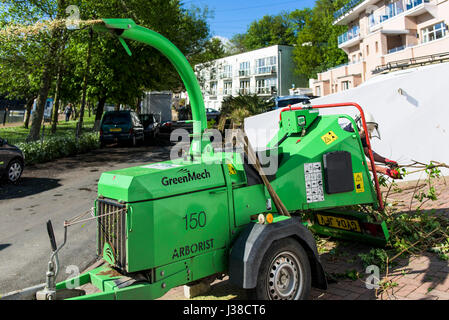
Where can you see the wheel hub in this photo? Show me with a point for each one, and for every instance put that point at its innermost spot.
(14, 172)
(285, 277)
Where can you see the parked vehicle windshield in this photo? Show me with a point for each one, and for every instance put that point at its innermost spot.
(147, 119)
(116, 118)
(286, 103)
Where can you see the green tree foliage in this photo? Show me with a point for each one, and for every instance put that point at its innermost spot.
(311, 31)
(316, 47)
(213, 49)
(268, 31)
(242, 106)
(32, 61)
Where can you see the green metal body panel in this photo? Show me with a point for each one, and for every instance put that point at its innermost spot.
(154, 181)
(298, 150)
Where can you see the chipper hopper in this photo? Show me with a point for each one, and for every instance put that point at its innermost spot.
(214, 213)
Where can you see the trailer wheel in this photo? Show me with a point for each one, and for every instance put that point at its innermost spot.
(284, 273)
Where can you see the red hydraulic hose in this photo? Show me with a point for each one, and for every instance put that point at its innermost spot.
(362, 114)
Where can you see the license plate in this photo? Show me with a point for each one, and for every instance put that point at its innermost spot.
(339, 223)
(116, 130)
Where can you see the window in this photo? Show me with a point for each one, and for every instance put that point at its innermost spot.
(213, 73)
(345, 85)
(367, 50)
(318, 91)
(244, 69)
(266, 86)
(266, 65)
(377, 47)
(372, 20)
(228, 88)
(213, 88)
(227, 72)
(434, 32)
(244, 87)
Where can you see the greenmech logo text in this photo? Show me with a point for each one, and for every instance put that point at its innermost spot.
(186, 177)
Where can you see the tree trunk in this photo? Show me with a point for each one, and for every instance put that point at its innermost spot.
(38, 114)
(139, 101)
(57, 98)
(29, 105)
(100, 108)
(86, 75)
(46, 78)
(99, 112)
(58, 84)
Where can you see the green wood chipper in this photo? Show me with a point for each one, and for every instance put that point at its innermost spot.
(215, 212)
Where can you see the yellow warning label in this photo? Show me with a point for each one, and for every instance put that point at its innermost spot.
(358, 181)
(231, 169)
(329, 137)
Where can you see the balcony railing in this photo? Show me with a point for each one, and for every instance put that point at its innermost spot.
(265, 70)
(265, 90)
(412, 62)
(353, 33)
(397, 49)
(415, 3)
(393, 10)
(343, 10)
(244, 73)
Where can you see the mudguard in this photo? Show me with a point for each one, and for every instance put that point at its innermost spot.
(252, 244)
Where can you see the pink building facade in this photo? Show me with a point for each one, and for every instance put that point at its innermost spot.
(382, 32)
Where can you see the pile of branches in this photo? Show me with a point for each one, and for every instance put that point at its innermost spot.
(412, 231)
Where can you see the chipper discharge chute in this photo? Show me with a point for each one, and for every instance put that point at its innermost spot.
(213, 212)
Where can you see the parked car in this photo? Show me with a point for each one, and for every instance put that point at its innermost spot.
(12, 161)
(151, 126)
(166, 127)
(212, 114)
(121, 127)
(285, 101)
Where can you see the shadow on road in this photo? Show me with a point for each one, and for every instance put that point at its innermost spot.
(27, 186)
(4, 246)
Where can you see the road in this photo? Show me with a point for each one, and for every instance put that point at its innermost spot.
(58, 190)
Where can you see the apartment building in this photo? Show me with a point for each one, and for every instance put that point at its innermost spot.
(265, 72)
(383, 32)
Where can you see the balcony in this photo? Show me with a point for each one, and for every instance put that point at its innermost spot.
(349, 38)
(352, 11)
(244, 91)
(406, 8)
(265, 91)
(265, 70)
(226, 75)
(347, 7)
(400, 48)
(244, 73)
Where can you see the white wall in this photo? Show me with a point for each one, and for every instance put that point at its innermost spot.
(413, 125)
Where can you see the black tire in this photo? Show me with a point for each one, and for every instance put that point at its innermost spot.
(285, 260)
(14, 171)
(132, 142)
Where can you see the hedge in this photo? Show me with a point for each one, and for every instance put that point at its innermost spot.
(58, 147)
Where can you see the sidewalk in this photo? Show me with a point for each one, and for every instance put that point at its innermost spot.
(420, 277)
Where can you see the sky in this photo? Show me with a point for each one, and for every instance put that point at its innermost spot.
(234, 16)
